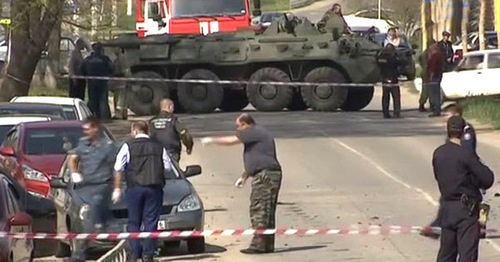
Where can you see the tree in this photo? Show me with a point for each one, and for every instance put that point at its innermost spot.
(465, 23)
(32, 24)
(482, 22)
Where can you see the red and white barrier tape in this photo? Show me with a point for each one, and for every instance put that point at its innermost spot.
(361, 230)
(226, 82)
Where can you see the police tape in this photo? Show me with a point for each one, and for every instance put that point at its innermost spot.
(233, 82)
(357, 230)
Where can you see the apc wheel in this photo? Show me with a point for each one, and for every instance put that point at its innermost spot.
(297, 103)
(144, 97)
(358, 98)
(266, 97)
(196, 245)
(324, 98)
(200, 98)
(63, 250)
(234, 100)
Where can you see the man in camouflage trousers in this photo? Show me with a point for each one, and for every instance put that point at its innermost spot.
(262, 165)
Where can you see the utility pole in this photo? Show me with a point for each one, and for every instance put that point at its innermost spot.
(497, 18)
(129, 7)
(379, 9)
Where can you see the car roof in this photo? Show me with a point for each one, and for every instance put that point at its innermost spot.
(53, 124)
(19, 119)
(7, 105)
(55, 100)
(482, 52)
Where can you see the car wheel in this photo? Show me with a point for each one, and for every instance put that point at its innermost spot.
(63, 250)
(196, 245)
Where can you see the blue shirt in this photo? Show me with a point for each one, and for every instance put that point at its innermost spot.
(96, 160)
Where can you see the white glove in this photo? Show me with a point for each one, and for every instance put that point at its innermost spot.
(239, 183)
(116, 195)
(207, 140)
(76, 177)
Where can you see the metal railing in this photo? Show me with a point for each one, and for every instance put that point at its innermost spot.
(118, 254)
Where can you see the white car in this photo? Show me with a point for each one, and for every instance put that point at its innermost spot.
(8, 122)
(476, 75)
(71, 106)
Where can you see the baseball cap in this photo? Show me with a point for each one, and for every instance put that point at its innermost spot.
(456, 124)
(446, 33)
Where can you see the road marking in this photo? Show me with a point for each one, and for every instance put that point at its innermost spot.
(426, 195)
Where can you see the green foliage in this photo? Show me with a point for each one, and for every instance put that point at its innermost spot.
(273, 5)
(484, 109)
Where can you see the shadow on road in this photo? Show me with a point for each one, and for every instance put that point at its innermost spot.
(182, 251)
(296, 249)
(190, 258)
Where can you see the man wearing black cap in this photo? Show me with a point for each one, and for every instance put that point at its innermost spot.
(460, 176)
(446, 48)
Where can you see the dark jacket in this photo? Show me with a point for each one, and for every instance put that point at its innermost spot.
(435, 67)
(459, 171)
(146, 166)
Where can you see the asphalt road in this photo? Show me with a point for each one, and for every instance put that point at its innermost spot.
(340, 169)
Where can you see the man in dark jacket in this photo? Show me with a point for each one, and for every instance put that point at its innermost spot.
(389, 68)
(168, 130)
(434, 74)
(446, 48)
(143, 163)
(98, 64)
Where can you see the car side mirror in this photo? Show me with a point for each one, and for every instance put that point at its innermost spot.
(7, 151)
(192, 171)
(58, 182)
(21, 219)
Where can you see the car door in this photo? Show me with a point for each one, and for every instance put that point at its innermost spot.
(491, 73)
(21, 248)
(467, 79)
(62, 198)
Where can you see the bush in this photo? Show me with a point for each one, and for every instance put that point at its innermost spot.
(484, 109)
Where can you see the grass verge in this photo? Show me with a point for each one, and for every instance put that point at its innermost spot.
(484, 109)
(41, 91)
(273, 5)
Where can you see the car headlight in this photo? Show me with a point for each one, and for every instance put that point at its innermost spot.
(32, 174)
(84, 210)
(190, 203)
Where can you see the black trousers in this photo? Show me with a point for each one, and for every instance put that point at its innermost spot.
(77, 88)
(98, 99)
(459, 233)
(395, 92)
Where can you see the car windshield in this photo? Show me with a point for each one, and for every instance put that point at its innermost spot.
(20, 110)
(270, 17)
(52, 141)
(4, 130)
(472, 62)
(200, 8)
(69, 113)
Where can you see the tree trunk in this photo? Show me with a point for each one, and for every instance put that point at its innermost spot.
(114, 11)
(482, 23)
(93, 19)
(497, 18)
(465, 24)
(31, 29)
(54, 59)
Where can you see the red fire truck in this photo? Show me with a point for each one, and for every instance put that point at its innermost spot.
(188, 17)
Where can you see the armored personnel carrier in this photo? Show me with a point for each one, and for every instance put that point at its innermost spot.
(289, 50)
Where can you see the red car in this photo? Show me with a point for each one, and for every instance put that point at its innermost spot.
(34, 152)
(13, 220)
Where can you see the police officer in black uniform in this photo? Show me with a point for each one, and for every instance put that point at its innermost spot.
(468, 141)
(143, 162)
(169, 131)
(460, 176)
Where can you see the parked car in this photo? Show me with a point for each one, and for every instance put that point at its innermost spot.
(74, 108)
(182, 209)
(54, 111)
(14, 220)
(405, 53)
(473, 44)
(261, 23)
(9, 121)
(34, 152)
(41, 210)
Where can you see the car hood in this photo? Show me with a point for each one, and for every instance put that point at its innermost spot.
(174, 192)
(49, 164)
